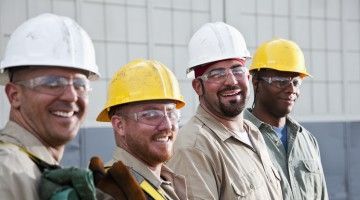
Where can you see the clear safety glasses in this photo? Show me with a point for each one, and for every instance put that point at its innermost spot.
(220, 75)
(56, 85)
(154, 117)
(283, 82)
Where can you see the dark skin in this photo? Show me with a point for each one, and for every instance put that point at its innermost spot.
(273, 104)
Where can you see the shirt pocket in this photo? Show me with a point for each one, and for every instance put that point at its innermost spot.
(248, 186)
(310, 183)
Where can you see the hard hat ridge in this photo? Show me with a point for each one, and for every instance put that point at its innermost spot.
(50, 40)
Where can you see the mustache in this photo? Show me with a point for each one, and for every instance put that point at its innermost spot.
(233, 87)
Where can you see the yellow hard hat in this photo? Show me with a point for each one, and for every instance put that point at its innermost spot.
(141, 80)
(279, 54)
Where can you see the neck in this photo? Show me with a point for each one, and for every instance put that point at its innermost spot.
(233, 123)
(56, 152)
(266, 117)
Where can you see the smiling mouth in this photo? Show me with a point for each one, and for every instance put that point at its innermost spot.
(64, 114)
(163, 139)
(230, 93)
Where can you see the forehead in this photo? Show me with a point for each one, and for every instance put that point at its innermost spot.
(30, 72)
(270, 72)
(224, 64)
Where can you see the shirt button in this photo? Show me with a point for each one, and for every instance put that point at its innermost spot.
(251, 186)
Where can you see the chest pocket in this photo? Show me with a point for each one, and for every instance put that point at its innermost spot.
(310, 183)
(311, 166)
(247, 185)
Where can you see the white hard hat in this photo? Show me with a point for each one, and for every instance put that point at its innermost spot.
(214, 42)
(49, 40)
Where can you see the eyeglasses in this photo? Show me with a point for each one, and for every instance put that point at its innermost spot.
(220, 75)
(283, 82)
(155, 117)
(56, 85)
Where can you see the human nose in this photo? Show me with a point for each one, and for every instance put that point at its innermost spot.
(230, 77)
(70, 94)
(167, 124)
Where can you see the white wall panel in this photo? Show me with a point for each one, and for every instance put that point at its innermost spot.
(264, 28)
(181, 27)
(281, 27)
(351, 35)
(352, 66)
(333, 35)
(335, 99)
(246, 24)
(300, 8)
(137, 51)
(319, 71)
(180, 62)
(351, 9)
(264, 6)
(182, 4)
(201, 5)
(100, 53)
(317, 8)
(320, 96)
(281, 7)
(333, 9)
(352, 98)
(318, 35)
(117, 56)
(92, 20)
(137, 24)
(97, 100)
(334, 66)
(64, 7)
(162, 22)
(115, 26)
(39, 6)
(302, 32)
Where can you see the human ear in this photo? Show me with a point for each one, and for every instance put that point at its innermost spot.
(13, 93)
(198, 87)
(117, 123)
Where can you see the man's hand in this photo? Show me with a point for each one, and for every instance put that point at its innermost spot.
(117, 181)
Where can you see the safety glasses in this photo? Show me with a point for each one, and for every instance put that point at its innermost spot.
(220, 75)
(154, 117)
(56, 85)
(282, 82)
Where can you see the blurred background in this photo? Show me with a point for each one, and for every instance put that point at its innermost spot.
(328, 31)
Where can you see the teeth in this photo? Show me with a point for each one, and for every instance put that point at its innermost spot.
(229, 93)
(162, 139)
(63, 114)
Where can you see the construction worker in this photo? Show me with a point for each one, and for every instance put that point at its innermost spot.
(222, 155)
(142, 106)
(46, 69)
(278, 69)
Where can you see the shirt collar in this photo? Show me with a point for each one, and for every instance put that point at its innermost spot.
(15, 134)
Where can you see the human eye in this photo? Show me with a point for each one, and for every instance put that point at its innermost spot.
(217, 73)
(81, 84)
(238, 70)
(173, 115)
(150, 114)
(297, 81)
(51, 82)
(280, 81)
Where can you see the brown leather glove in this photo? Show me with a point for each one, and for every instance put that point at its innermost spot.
(117, 181)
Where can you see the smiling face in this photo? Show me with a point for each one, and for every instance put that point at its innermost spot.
(224, 99)
(151, 142)
(276, 102)
(53, 119)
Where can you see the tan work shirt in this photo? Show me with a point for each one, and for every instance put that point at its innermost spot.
(19, 175)
(172, 184)
(217, 164)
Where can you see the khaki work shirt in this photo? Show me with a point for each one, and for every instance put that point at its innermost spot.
(219, 165)
(300, 166)
(19, 175)
(172, 184)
